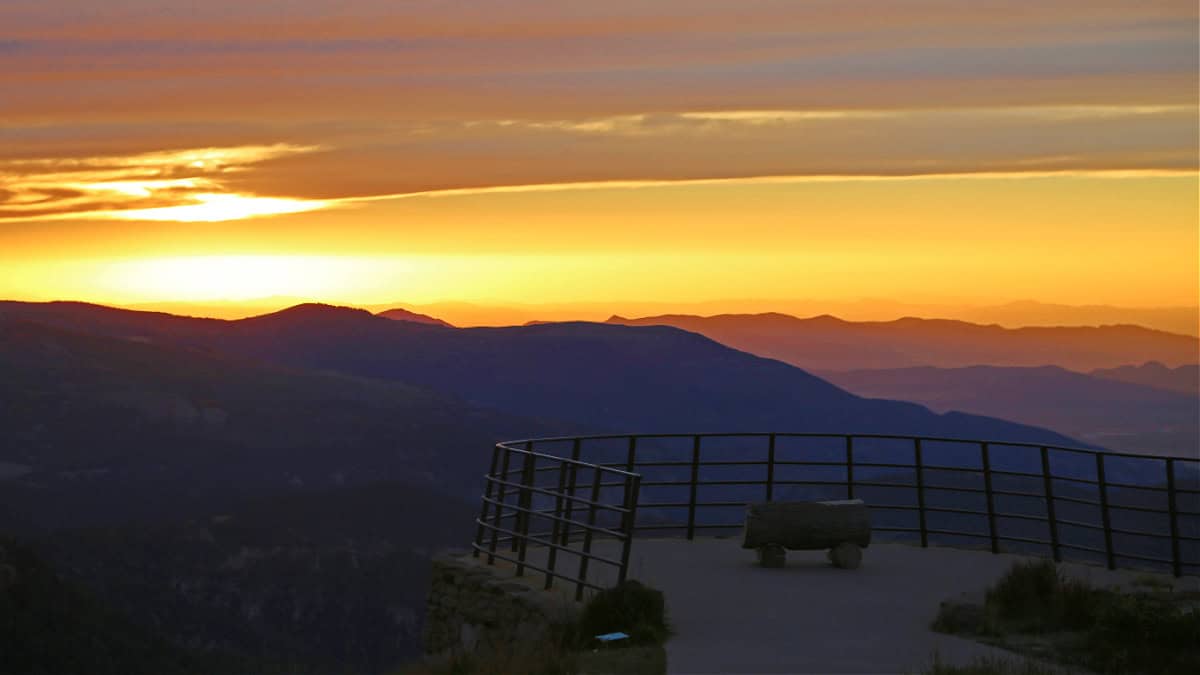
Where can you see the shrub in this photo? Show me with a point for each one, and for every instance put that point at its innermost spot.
(629, 607)
(1022, 593)
(1034, 597)
(1103, 630)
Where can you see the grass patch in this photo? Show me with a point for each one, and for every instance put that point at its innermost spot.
(1037, 611)
(631, 608)
(1034, 597)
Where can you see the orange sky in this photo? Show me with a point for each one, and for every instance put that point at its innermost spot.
(370, 152)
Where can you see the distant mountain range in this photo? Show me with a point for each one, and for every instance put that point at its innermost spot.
(1184, 379)
(1184, 320)
(595, 376)
(1110, 413)
(826, 343)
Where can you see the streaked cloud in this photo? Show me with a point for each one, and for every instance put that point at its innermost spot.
(721, 121)
(781, 180)
(183, 186)
(624, 151)
(316, 60)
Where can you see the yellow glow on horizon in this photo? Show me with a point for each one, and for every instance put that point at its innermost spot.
(1053, 237)
(232, 277)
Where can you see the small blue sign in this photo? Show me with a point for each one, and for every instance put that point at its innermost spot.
(611, 637)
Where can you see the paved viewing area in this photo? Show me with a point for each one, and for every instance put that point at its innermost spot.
(732, 616)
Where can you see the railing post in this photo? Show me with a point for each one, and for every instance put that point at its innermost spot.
(1176, 562)
(1104, 517)
(920, 491)
(849, 467)
(527, 477)
(498, 516)
(552, 554)
(574, 474)
(631, 455)
(521, 517)
(633, 485)
(987, 490)
(771, 467)
(1048, 491)
(483, 507)
(691, 525)
(587, 535)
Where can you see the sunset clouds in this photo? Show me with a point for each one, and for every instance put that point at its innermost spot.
(634, 150)
(852, 86)
(300, 122)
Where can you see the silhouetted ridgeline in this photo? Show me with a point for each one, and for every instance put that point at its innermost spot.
(1183, 379)
(827, 343)
(405, 315)
(596, 376)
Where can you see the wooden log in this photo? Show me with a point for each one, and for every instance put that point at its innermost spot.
(807, 526)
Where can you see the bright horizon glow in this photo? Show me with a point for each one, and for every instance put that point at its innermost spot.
(634, 152)
(1061, 238)
(230, 277)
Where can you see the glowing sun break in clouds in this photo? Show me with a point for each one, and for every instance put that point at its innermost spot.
(182, 186)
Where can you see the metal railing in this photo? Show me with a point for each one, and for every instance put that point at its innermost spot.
(1018, 497)
(506, 500)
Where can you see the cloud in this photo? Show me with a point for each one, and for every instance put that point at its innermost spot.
(386, 160)
(308, 60)
(777, 180)
(183, 185)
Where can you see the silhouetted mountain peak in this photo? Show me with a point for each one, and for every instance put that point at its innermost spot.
(1184, 379)
(313, 312)
(401, 314)
(828, 319)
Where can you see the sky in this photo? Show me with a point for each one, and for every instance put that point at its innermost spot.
(683, 151)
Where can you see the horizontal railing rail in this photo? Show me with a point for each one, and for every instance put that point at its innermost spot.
(1018, 493)
(506, 499)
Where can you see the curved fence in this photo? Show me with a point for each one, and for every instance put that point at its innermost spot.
(558, 495)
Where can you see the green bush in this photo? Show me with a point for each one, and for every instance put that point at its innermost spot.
(1103, 630)
(1035, 597)
(629, 607)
